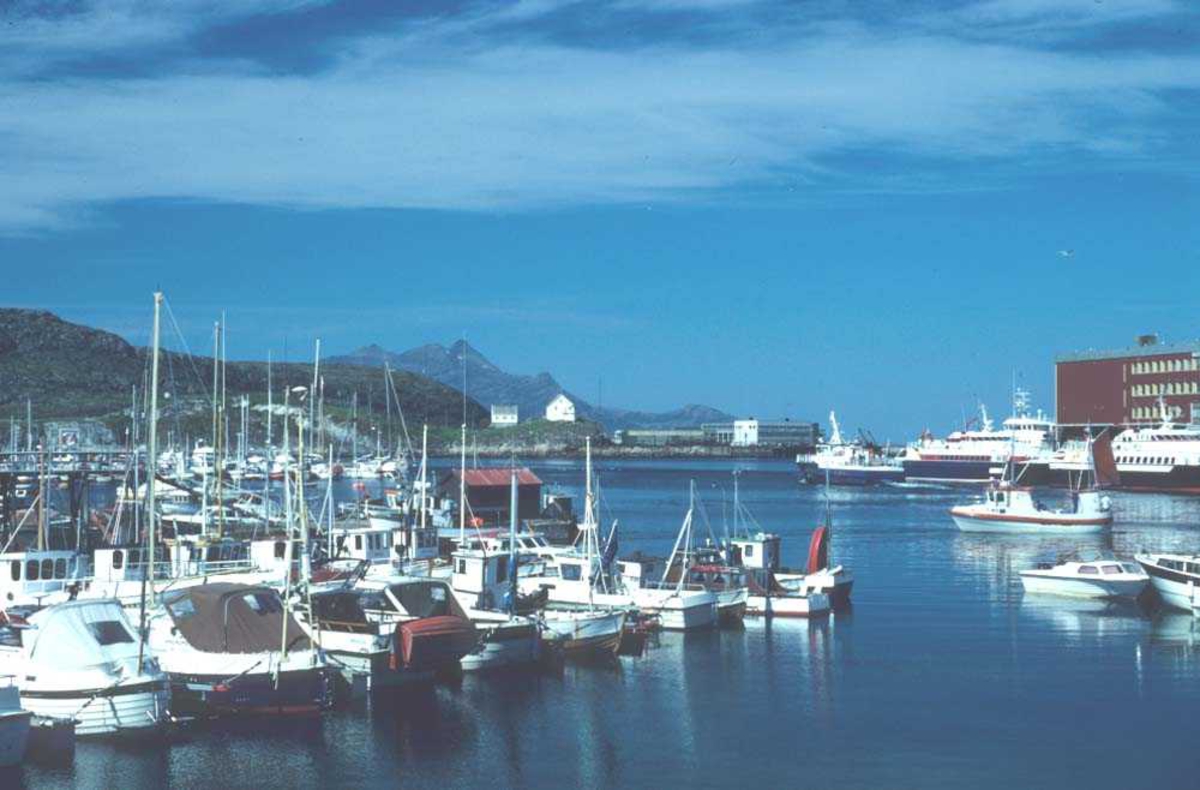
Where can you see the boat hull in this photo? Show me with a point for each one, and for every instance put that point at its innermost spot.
(851, 475)
(503, 646)
(1077, 587)
(811, 605)
(1023, 525)
(14, 736)
(136, 707)
(578, 636)
(961, 472)
(298, 691)
(1177, 590)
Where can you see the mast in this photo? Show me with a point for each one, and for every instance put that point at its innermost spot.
(42, 494)
(462, 490)
(28, 425)
(312, 392)
(269, 405)
(151, 470)
(512, 541)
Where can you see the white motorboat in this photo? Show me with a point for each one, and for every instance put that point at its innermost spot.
(1086, 577)
(390, 633)
(14, 726)
(1175, 577)
(1012, 509)
(234, 649)
(80, 660)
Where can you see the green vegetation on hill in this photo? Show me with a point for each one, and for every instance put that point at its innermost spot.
(72, 371)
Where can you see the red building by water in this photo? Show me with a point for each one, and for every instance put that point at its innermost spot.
(1125, 387)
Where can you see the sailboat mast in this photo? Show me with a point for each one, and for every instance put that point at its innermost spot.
(512, 540)
(462, 490)
(151, 469)
(424, 473)
(269, 401)
(312, 393)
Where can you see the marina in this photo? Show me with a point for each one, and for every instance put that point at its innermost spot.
(923, 588)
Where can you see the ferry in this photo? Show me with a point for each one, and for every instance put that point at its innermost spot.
(971, 456)
(1162, 457)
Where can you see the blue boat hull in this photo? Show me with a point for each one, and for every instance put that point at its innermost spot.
(948, 471)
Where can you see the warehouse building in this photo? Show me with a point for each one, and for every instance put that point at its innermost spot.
(659, 437)
(1128, 386)
(778, 433)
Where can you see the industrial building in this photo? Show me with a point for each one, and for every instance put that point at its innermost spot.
(504, 414)
(659, 437)
(777, 433)
(1126, 386)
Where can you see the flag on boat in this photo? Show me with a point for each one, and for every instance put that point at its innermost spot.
(610, 549)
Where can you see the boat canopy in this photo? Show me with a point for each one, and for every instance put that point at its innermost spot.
(233, 618)
(81, 635)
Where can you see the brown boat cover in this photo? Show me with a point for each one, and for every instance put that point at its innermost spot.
(233, 618)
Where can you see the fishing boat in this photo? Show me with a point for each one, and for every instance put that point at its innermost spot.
(40, 576)
(1175, 577)
(485, 586)
(1083, 576)
(14, 725)
(385, 634)
(80, 660)
(1013, 509)
(857, 463)
(814, 590)
(235, 649)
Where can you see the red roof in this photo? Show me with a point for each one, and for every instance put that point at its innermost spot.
(488, 478)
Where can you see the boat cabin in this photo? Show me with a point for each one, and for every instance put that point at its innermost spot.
(481, 574)
(638, 571)
(31, 574)
(761, 552)
(415, 543)
(124, 563)
(365, 544)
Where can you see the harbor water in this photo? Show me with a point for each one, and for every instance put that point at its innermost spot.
(943, 674)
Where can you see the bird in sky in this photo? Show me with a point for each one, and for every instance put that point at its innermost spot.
(1066, 253)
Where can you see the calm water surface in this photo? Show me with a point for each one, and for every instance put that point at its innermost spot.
(943, 675)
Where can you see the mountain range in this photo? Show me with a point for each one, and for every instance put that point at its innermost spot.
(71, 370)
(488, 384)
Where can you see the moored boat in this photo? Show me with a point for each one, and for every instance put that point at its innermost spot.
(1087, 577)
(14, 726)
(81, 661)
(1175, 577)
(234, 649)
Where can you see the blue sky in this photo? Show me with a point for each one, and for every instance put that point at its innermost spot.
(774, 208)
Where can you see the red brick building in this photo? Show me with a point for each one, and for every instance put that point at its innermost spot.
(1124, 387)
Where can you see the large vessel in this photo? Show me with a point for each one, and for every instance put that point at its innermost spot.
(1164, 456)
(842, 463)
(971, 456)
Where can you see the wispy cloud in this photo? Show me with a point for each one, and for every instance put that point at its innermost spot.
(444, 115)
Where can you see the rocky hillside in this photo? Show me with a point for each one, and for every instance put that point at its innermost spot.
(70, 370)
(488, 384)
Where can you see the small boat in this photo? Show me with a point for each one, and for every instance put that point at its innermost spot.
(1087, 577)
(235, 649)
(80, 660)
(394, 633)
(1012, 509)
(585, 632)
(14, 726)
(1175, 577)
